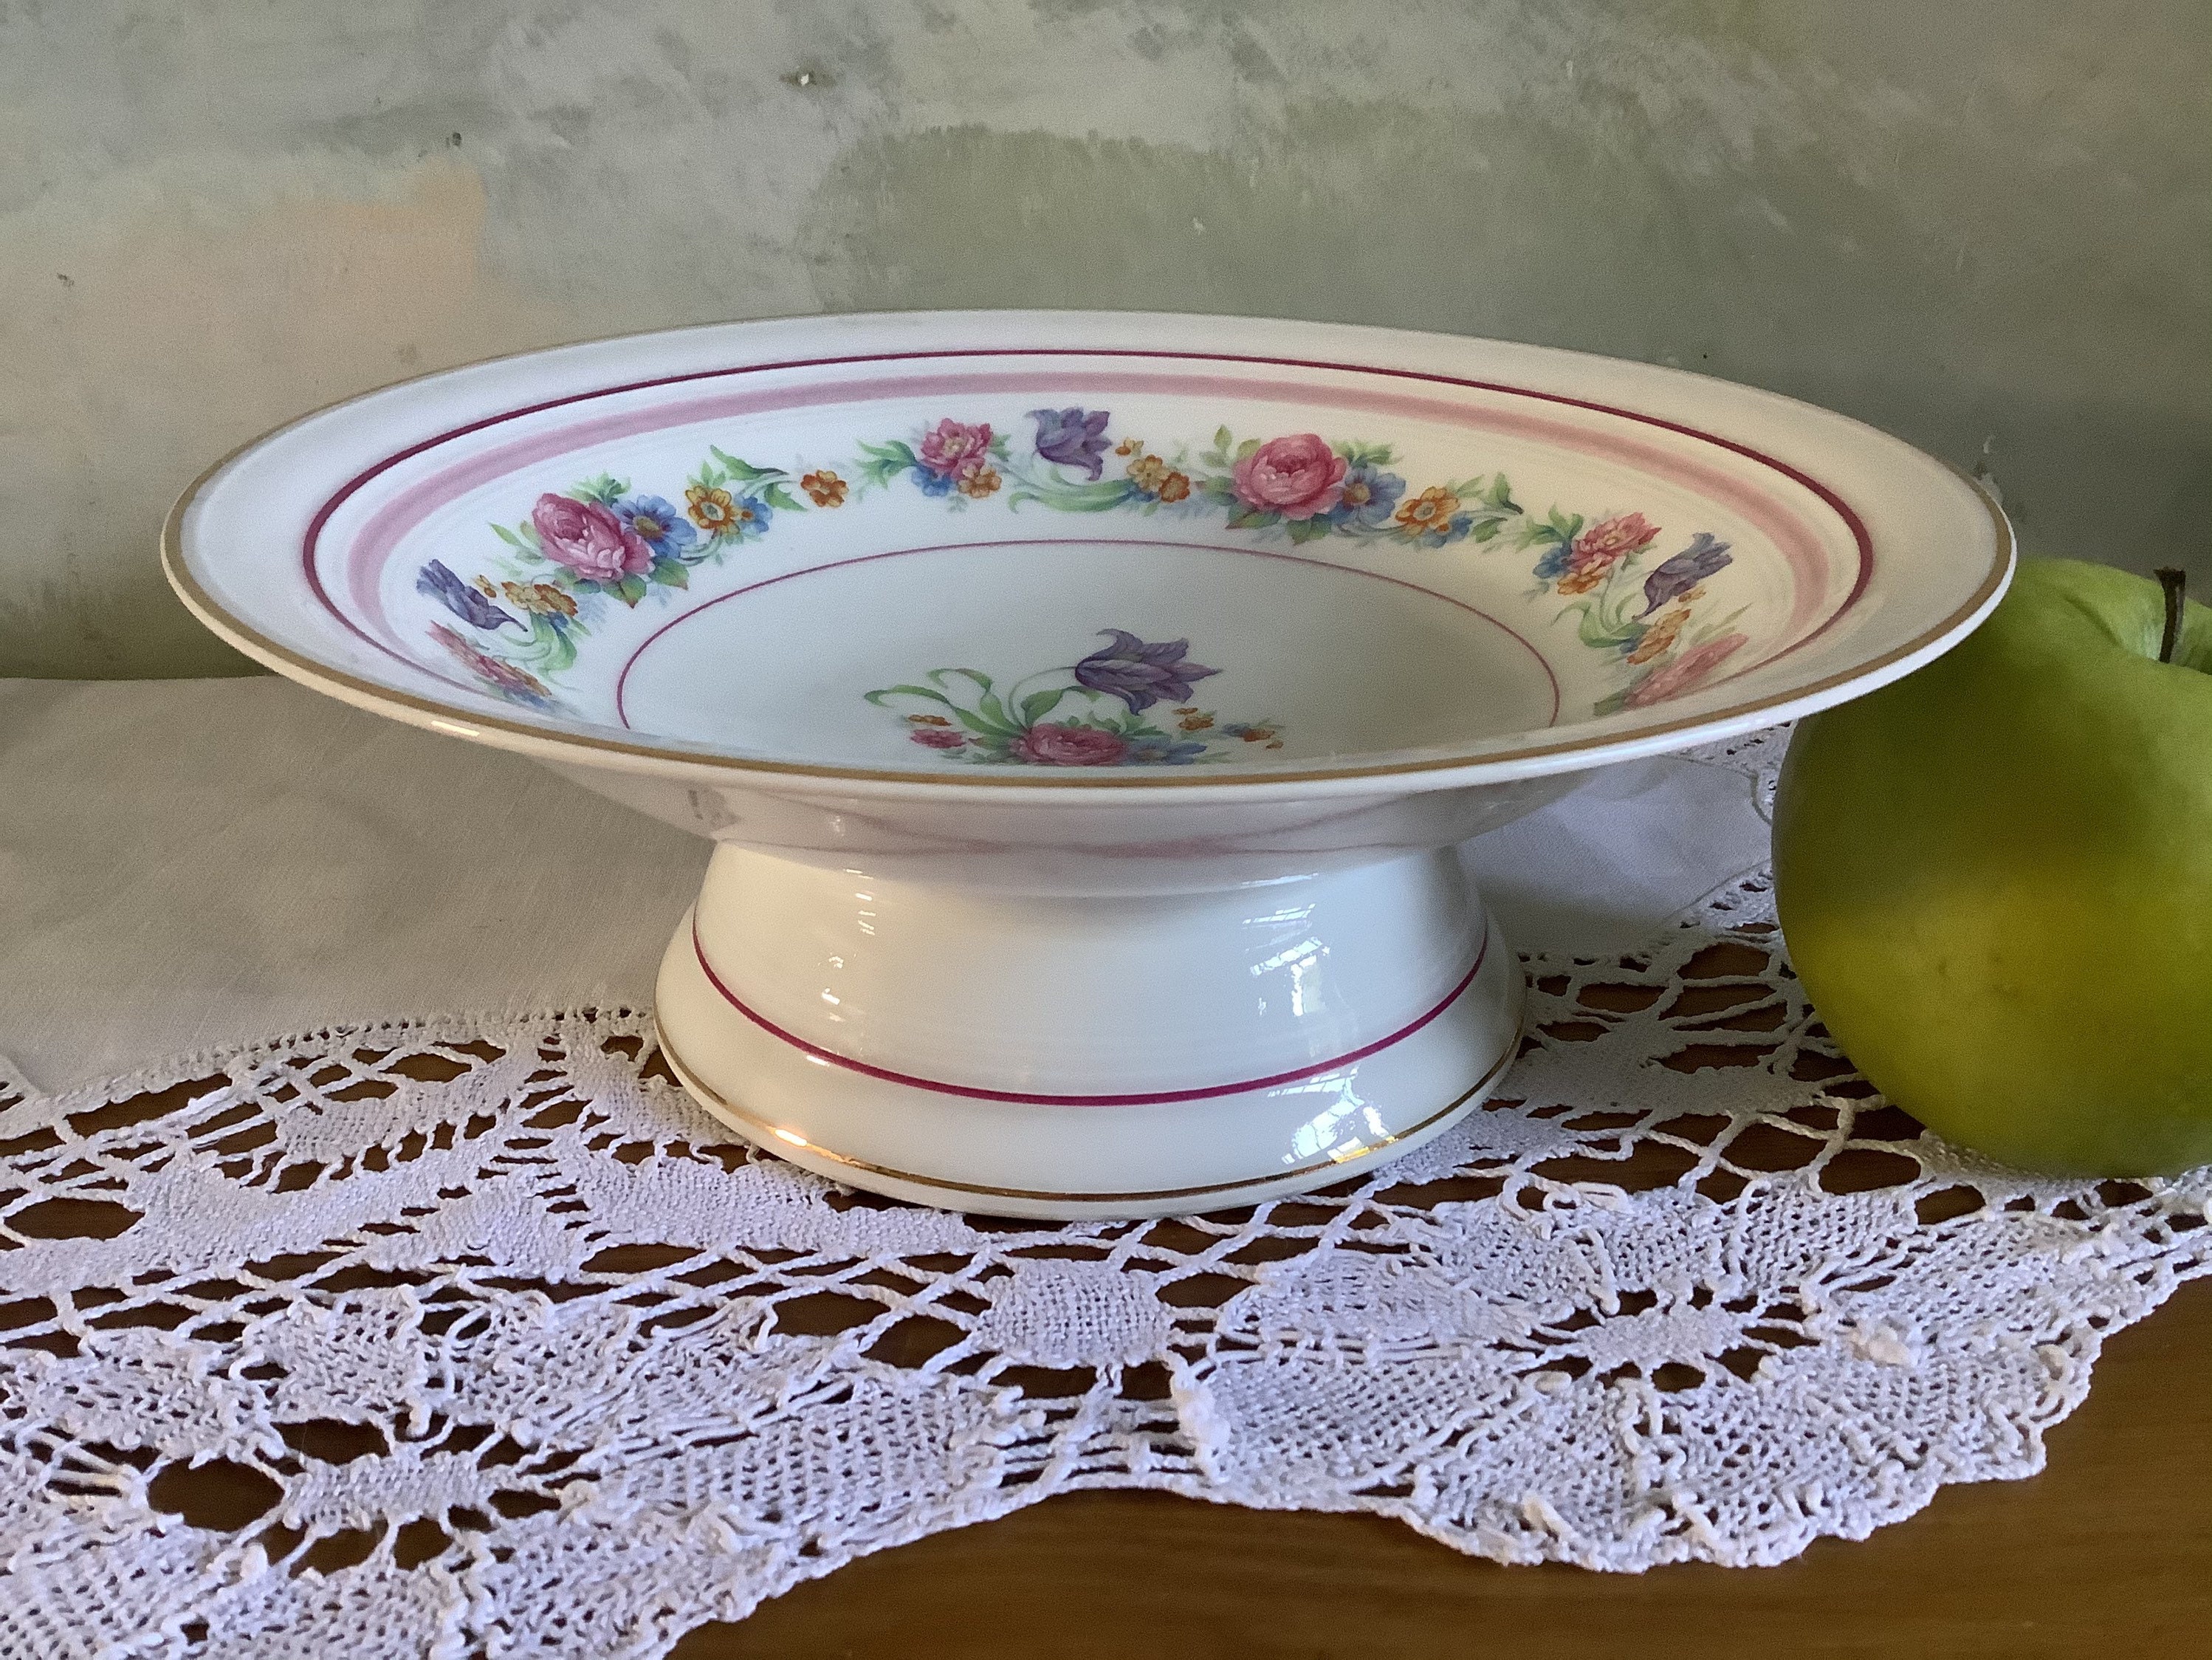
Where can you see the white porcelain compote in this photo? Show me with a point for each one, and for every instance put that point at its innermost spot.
(1086, 708)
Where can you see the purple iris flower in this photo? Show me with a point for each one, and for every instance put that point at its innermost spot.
(459, 597)
(1140, 674)
(1705, 554)
(1072, 437)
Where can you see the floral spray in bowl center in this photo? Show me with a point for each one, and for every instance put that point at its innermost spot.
(1031, 721)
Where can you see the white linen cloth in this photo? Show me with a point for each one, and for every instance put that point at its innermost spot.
(522, 1356)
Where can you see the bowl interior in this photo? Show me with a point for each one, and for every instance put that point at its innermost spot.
(1057, 556)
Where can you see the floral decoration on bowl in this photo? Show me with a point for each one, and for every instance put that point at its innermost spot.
(605, 543)
(1029, 723)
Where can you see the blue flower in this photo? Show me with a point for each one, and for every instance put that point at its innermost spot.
(748, 518)
(1164, 751)
(1705, 554)
(459, 597)
(1072, 437)
(1553, 564)
(659, 526)
(1448, 532)
(932, 482)
(1370, 496)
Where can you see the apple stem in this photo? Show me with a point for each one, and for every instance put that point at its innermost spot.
(2173, 581)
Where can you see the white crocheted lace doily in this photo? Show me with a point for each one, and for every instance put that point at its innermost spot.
(503, 1349)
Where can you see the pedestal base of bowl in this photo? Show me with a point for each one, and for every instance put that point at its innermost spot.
(1086, 1057)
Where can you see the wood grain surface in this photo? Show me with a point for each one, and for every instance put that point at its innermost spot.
(2109, 1551)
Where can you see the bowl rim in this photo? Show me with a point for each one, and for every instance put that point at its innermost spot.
(1435, 767)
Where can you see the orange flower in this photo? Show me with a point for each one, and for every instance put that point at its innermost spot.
(484, 586)
(1431, 510)
(1149, 473)
(542, 598)
(1659, 637)
(929, 720)
(1195, 722)
(712, 510)
(1174, 487)
(826, 489)
(1128, 447)
(1582, 580)
(976, 478)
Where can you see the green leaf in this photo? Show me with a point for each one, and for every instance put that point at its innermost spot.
(1100, 498)
(1249, 447)
(671, 573)
(629, 590)
(604, 489)
(885, 462)
(1038, 704)
(878, 696)
(981, 679)
(993, 711)
(1308, 530)
(552, 649)
(1221, 439)
(1600, 632)
(744, 469)
(776, 496)
(526, 542)
(1252, 518)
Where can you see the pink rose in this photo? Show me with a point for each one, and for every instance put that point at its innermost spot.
(1296, 476)
(587, 537)
(502, 674)
(951, 442)
(1609, 538)
(937, 737)
(1683, 673)
(1065, 745)
(1602, 547)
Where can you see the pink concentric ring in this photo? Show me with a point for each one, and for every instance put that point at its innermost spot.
(621, 680)
(1022, 1098)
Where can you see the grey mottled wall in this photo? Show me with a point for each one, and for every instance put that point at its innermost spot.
(1976, 224)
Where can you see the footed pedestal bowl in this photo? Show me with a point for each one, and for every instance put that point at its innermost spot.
(1085, 709)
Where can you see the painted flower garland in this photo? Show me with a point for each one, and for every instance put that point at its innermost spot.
(1027, 723)
(601, 543)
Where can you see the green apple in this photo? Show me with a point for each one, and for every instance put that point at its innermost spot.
(1995, 878)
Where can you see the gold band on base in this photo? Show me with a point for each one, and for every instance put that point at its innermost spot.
(690, 1080)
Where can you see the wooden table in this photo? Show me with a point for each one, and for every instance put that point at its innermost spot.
(2108, 1552)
